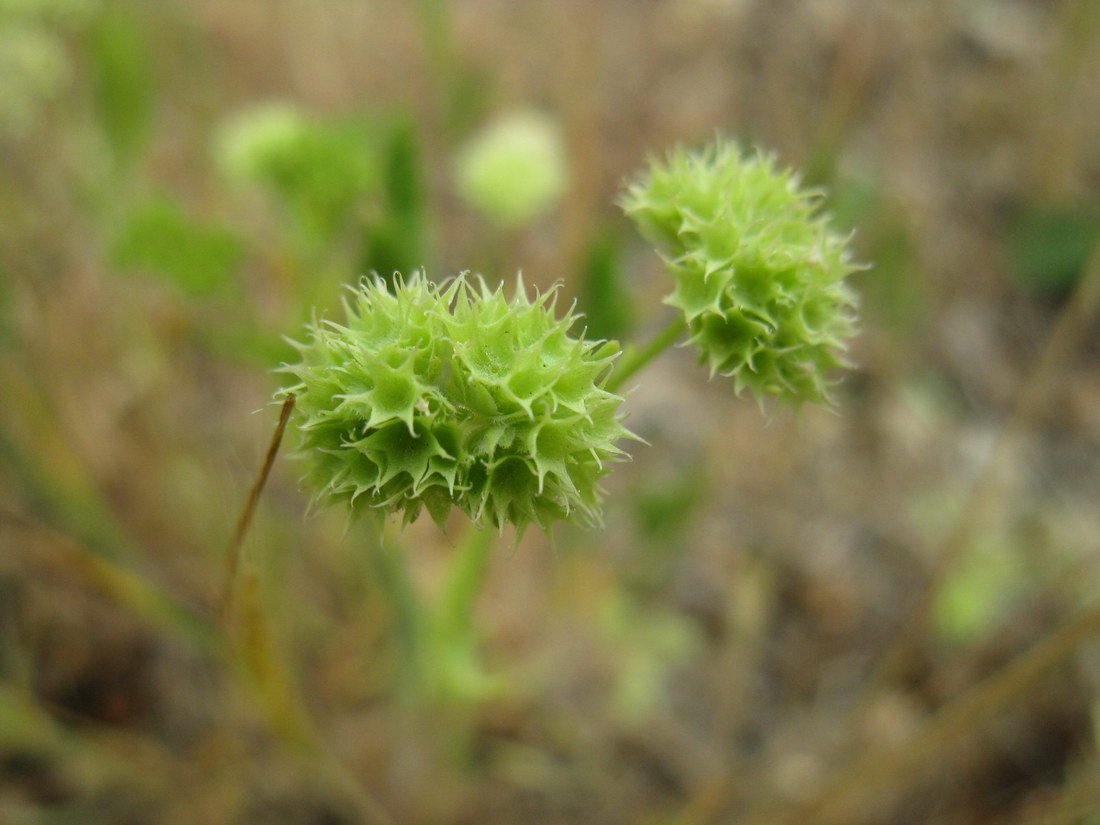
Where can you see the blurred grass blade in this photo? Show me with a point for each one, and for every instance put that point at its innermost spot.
(125, 80)
(398, 240)
(604, 300)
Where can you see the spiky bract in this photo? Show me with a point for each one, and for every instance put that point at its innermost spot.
(759, 276)
(440, 395)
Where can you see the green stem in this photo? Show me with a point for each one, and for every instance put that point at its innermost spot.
(465, 581)
(392, 567)
(636, 359)
(426, 635)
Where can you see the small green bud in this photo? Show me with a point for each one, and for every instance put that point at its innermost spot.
(256, 139)
(759, 275)
(451, 395)
(515, 169)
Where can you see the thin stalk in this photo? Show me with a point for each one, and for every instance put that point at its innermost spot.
(260, 668)
(459, 682)
(636, 359)
(465, 581)
(236, 545)
(391, 565)
(420, 631)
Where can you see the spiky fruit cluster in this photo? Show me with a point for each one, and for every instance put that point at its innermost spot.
(448, 395)
(759, 276)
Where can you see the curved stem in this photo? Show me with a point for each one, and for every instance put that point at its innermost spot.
(236, 545)
(636, 359)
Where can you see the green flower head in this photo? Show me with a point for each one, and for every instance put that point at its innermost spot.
(448, 395)
(759, 275)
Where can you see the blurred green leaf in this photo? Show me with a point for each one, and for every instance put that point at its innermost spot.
(332, 167)
(403, 180)
(470, 91)
(1050, 246)
(321, 170)
(894, 290)
(159, 238)
(648, 645)
(664, 507)
(457, 674)
(397, 240)
(124, 75)
(978, 592)
(604, 300)
(409, 615)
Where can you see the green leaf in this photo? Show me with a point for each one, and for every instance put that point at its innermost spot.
(124, 75)
(159, 239)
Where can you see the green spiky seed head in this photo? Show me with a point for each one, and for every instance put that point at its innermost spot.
(433, 396)
(758, 273)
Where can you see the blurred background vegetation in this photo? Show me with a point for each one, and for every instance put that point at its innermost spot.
(887, 614)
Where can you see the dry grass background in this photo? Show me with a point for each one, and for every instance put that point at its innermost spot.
(760, 633)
